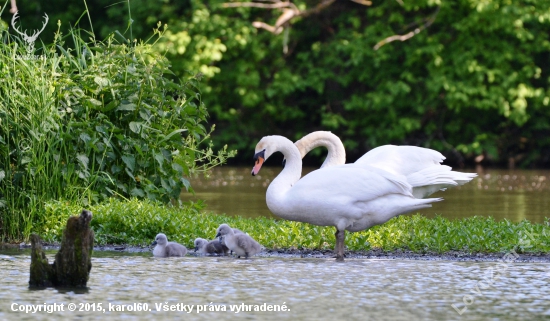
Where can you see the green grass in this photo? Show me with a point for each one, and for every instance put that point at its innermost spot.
(31, 140)
(135, 222)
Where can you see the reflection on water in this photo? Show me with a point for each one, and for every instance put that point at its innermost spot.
(312, 289)
(511, 194)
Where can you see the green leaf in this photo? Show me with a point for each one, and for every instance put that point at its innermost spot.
(165, 185)
(130, 162)
(115, 169)
(110, 106)
(137, 192)
(84, 160)
(135, 126)
(185, 183)
(166, 154)
(160, 158)
(177, 131)
(85, 137)
(95, 102)
(129, 173)
(101, 81)
(178, 168)
(126, 107)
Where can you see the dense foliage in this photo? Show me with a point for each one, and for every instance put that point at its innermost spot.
(131, 123)
(93, 121)
(475, 82)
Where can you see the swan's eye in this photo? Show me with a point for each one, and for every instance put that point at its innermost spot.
(259, 155)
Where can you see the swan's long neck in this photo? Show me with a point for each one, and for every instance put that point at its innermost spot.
(336, 151)
(281, 185)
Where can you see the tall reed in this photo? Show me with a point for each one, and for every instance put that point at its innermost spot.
(91, 121)
(31, 138)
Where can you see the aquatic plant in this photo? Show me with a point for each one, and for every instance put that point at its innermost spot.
(136, 222)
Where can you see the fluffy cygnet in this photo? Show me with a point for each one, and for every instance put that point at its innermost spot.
(210, 247)
(236, 231)
(240, 243)
(164, 248)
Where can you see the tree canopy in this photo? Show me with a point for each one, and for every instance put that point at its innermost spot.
(472, 82)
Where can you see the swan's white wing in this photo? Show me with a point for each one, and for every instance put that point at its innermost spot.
(352, 197)
(361, 179)
(346, 185)
(401, 160)
(435, 178)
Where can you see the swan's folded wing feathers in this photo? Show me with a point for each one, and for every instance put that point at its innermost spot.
(402, 160)
(436, 178)
(350, 181)
(436, 174)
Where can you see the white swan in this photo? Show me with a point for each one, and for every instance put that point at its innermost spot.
(336, 152)
(421, 166)
(350, 197)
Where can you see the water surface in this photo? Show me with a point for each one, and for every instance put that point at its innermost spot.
(510, 194)
(310, 289)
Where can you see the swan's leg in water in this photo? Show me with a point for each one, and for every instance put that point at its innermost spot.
(339, 248)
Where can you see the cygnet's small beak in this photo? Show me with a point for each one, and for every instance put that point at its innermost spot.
(259, 161)
(154, 243)
(196, 248)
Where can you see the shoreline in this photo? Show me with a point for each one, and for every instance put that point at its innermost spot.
(456, 256)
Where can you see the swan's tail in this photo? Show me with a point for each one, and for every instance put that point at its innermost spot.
(393, 205)
(426, 202)
(412, 204)
(436, 178)
(463, 178)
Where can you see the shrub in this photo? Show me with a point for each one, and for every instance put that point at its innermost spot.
(100, 119)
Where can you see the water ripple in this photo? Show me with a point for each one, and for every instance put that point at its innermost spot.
(313, 289)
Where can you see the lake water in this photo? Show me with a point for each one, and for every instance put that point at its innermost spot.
(300, 288)
(148, 288)
(510, 194)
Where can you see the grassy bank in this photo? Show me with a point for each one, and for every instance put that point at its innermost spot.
(136, 222)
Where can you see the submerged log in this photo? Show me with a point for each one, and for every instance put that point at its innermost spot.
(73, 262)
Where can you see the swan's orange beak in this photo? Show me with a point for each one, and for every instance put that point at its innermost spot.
(259, 161)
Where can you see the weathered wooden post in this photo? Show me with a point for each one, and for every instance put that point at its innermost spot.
(73, 262)
(41, 270)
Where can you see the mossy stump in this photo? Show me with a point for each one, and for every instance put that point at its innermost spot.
(73, 262)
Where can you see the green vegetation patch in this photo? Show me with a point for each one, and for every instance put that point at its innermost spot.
(135, 222)
(84, 120)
